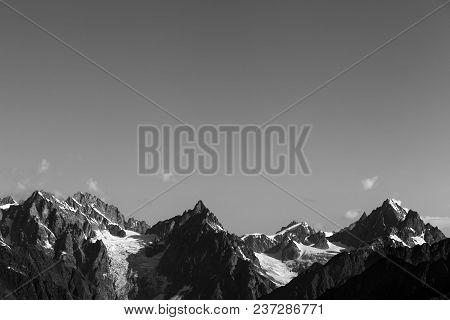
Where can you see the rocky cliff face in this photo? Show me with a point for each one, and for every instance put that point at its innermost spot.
(137, 226)
(389, 224)
(83, 248)
(422, 272)
(200, 260)
(368, 274)
(47, 251)
(389, 230)
(297, 246)
(7, 202)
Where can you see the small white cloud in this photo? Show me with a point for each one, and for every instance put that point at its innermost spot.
(58, 194)
(442, 223)
(369, 183)
(23, 184)
(166, 177)
(44, 167)
(93, 186)
(352, 214)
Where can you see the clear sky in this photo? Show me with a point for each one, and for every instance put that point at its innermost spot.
(66, 126)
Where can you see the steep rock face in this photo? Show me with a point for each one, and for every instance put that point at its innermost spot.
(200, 260)
(97, 209)
(367, 274)
(47, 252)
(389, 224)
(4, 202)
(259, 242)
(299, 232)
(297, 246)
(319, 278)
(137, 226)
(290, 251)
(319, 240)
(386, 228)
(422, 272)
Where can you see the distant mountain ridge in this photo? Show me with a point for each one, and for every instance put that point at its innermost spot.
(390, 230)
(89, 252)
(210, 262)
(421, 272)
(84, 248)
(389, 223)
(291, 250)
(46, 234)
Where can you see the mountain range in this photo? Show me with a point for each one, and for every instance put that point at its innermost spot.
(84, 248)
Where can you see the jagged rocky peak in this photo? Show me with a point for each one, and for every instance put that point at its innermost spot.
(319, 240)
(38, 233)
(363, 216)
(6, 203)
(413, 221)
(194, 248)
(39, 195)
(299, 232)
(200, 207)
(85, 198)
(137, 226)
(199, 215)
(393, 211)
(390, 224)
(40, 203)
(89, 201)
(7, 200)
(295, 224)
(292, 223)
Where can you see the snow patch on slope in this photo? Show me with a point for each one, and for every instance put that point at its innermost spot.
(397, 205)
(275, 269)
(119, 250)
(419, 240)
(7, 206)
(397, 239)
(304, 224)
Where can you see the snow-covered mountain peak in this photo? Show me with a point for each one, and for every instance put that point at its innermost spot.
(292, 226)
(397, 205)
(7, 202)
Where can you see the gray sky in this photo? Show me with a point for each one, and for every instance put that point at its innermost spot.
(230, 62)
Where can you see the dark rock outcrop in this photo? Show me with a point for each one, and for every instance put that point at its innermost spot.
(137, 226)
(91, 202)
(422, 272)
(47, 252)
(259, 242)
(391, 224)
(391, 273)
(200, 260)
(7, 200)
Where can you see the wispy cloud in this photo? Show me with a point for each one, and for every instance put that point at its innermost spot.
(369, 183)
(352, 214)
(23, 185)
(442, 223)
(58, 194)
(44, 166)
(93, 186)
(437, 220)
(167, 177)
